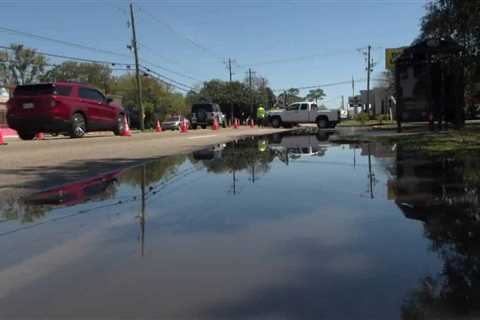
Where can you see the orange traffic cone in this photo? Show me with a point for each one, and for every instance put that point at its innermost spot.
(252, 123)
(40, 136)
(184, 127)
(2, 142)
(215, 125)
(158, 128)
(126, 132)
(235, 123)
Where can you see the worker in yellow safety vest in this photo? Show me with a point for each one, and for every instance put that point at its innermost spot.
(261, 113)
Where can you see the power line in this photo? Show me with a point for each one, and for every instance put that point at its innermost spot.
(181, 35)
(54, 55)
(170, 60)
(168, 83)
(66, 43)
(169, 70)
(148, 70)
(324, 85)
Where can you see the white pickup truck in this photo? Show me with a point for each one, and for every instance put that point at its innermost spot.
(303, 112)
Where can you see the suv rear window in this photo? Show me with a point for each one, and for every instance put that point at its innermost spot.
(41, 89)
(33, 90)
(205, 107)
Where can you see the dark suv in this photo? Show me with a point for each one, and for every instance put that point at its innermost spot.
(204, 113)
(62, 108)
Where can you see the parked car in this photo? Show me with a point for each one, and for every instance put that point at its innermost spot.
(173, 123)
(204, 113)
(303, 112)
(62, 108)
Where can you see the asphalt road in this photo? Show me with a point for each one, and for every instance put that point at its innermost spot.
(28, 166)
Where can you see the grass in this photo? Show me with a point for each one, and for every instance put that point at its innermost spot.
(455, 141)
(369, 123)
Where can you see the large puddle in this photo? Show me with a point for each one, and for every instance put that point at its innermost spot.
(277, 227)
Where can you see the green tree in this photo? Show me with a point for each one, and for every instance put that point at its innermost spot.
(459, 20)
(316, 94)
(95, 74)
(22, 65)
(158, 100)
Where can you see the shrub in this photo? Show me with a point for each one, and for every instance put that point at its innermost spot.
(362, 117)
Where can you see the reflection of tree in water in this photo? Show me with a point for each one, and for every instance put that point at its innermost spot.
(155, 171)
(240, 155)
(443, 192)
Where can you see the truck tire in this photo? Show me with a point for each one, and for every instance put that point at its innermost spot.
(276, 122)
(322, 123)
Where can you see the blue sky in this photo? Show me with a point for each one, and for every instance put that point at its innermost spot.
(194, 37)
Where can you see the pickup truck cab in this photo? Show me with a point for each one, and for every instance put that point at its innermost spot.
(304, 112)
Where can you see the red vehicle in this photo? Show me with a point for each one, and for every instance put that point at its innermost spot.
(62, 108)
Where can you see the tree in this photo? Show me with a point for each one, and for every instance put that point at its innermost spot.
(158, 100)
(459, 20)
(316, 94)
(95, 74)
(22, 65)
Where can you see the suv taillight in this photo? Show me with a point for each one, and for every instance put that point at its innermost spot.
(53, 102)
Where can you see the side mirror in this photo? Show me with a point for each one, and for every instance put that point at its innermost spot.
(109, 100)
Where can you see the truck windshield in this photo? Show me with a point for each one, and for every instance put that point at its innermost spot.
(202, 107)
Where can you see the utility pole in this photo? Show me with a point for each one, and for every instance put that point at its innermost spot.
(369, 69)
(251, 92)
(229, 68)
(353, 97)
(137, 70)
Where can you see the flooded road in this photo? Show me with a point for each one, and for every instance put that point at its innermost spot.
(276, 227)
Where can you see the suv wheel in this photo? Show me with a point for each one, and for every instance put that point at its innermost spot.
(194, 126)
(119, 125)
(276, 122)
(26, 135)
(204, 126)
(224, 124)
(79, 126)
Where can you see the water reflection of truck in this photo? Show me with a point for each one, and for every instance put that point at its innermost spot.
(297, 145)
(210, 153)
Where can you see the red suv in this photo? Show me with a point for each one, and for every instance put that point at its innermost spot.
(62, 108)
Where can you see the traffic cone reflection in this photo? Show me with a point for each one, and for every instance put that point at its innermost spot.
(158, 128)
(215, 124)
(126, 132)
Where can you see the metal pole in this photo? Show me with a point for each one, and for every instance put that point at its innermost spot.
(137, 71)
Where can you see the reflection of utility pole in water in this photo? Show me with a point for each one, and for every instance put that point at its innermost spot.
(253, 173)
(354, 156)
(142, 214)
(371, 175)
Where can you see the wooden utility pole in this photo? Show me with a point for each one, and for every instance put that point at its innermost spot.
(229, 67)
(251, 92)
(137, 70)
(369, 69)
(353, 97)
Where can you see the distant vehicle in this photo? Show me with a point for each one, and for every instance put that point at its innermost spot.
(303, 112)
(173, 123)
(204, 113)
(62, 108)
